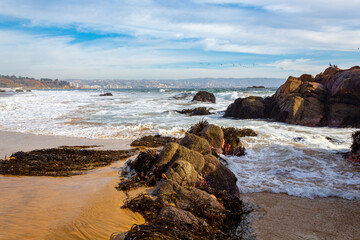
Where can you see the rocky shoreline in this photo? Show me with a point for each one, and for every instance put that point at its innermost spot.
(331, 98)
(194, 195)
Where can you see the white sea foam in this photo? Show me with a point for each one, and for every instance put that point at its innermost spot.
(296, 160)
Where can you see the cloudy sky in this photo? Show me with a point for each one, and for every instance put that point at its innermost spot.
(174, 39)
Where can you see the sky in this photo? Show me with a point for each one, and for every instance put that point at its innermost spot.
(168, 39)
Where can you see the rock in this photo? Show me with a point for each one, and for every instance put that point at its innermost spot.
(246, 108)
(196, 143)
(195, 112)
(173, 152)
(354, 154)
(195, 196)
(28, 90)
(19, 90)
(299, 102)
(222, 179)
(181, 216)
(153, 141)
(198, 127)
(105, 95)
(233, 145)
(144, 161)
(203, 96)
(214, 135)
(330, 99)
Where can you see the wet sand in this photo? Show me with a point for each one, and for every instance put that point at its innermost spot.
(11, 142)
(280, 217)
(79, 207)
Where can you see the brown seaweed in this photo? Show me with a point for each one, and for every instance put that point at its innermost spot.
(153, 141)
(64, 161)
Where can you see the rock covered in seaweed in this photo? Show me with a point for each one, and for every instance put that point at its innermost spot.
(195, 196)
(195, 112)
(203, 96)
(153, 141)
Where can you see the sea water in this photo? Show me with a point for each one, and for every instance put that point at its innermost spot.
(297, 160)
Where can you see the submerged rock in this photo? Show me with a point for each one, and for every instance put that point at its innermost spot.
(203, 96)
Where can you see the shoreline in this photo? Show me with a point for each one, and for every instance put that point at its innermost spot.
(42, 207)
(11, 142)
(277, 216)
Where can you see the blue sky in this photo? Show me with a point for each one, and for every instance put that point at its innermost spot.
(167, 39)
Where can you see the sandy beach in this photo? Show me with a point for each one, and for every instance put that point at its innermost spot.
(78, 207)
(88, 205)
(280, 216)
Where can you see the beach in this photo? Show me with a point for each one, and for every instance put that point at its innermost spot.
(281, 217)
(78, 207)
(88, 205)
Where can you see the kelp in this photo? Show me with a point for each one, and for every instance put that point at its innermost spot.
(153, 141)
(198, 127)
(64, 161)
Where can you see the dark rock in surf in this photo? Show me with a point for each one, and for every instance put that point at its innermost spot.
(246, 108)
(195, 112)
(203, 96)
(106, 95)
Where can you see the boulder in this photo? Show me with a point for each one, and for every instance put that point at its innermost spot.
(181, 216)
(246, 108)
(203, 96)
(354, 154)
(332, 98)
(196, 143)
(214, 135)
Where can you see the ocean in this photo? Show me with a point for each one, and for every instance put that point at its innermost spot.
(296, 160)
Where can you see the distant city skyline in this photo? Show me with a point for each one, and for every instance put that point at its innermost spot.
(147, 39)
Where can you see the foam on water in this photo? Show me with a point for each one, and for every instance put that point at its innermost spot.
(297, 160)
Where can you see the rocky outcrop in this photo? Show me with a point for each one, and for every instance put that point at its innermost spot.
(195, 112)
(194, 196)
(332, 98)
(246, 108)
(203, 96)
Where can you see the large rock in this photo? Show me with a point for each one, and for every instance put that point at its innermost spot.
(246, 108)
(203, 96)
(195, 112)
(332, 99)
(299, 101)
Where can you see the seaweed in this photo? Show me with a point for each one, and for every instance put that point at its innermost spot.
(198, 127)
(153, 141)
(64, 161)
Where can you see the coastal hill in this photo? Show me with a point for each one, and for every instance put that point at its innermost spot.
(32, 83)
